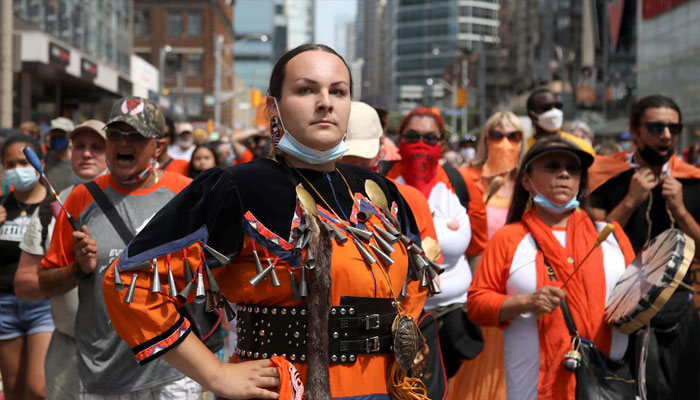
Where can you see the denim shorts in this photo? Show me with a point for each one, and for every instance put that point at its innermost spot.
(23, 318)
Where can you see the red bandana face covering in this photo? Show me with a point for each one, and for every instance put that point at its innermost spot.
(420, 163)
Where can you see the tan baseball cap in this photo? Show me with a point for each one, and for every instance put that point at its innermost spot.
(62, 123)
(364, 131)
(90, 125)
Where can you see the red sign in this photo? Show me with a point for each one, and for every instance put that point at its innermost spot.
(652, 8)
(88, 69)
(58, 54)
(615, 10)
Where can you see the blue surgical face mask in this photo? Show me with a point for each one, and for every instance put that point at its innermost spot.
(553, 207)
(21, 178)
(289, 145)
(57, 143)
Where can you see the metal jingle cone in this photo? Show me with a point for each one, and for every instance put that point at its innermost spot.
(118, 284)
(222, 259)
(230, 314)
(386, 235)
(184, 294)
(155, 282)
(211, 302)
(299, 230)
(391, 228)
(405, 240)
(413, 270)
(188, 271)
(303, 288)
(383, 257)
(273, 275)
(200, 295)
(404, 289)
(369, 259)
(438, 269)
(302, 242)
(435, 287)
(415, 249)
(258, 264)
(327, 227)
(420, 261)
(295, 287)
(424, 282)
(310, 259)
(255, 281)
(364, 216)
(431, 273)
(213, 286)
(386, 247)
(340, 237)
(172, 289)
(130, 293)
(361, 233)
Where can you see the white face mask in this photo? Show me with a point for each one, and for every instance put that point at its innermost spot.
(467, 153)
(551, 120)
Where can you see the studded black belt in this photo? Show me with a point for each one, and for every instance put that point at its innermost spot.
(360, 325)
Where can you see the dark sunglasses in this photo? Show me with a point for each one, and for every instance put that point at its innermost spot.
(553, 166)
(412, 136)
(657, 127)
(548, 106)
(514, 136)
(117, 135)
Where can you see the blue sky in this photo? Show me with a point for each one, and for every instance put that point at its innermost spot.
(327, 12)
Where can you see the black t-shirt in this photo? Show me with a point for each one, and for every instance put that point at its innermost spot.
(609, 195)
(11, 233)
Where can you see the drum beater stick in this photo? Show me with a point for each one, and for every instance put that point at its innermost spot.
(36, 163)
(601, 238)
(607, 230)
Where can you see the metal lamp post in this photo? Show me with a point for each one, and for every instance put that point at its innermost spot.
(162, 53)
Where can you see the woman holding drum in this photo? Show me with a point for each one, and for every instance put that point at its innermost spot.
(517, 285)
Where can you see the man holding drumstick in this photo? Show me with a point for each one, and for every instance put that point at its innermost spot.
(649, 190)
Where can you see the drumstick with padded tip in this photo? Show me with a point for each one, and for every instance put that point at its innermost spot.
(495, 185)
(36, 163)
(609, 227)
(607, 230)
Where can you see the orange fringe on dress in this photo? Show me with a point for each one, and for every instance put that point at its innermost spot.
(484, 376)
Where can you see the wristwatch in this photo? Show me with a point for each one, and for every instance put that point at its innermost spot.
(80, 274)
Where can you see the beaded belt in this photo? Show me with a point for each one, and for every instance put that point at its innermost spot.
(360, 325)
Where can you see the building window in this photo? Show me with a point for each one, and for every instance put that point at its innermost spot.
(194, 23)
(173, 65)
(142, 22)
(174, 23)
(194, 64)
(193, 104)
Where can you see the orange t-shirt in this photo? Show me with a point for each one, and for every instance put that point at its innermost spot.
(178, 166)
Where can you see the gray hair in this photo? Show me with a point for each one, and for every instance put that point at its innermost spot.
(580, 125)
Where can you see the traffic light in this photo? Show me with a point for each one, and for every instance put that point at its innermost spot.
(461, 97)
(255, 97)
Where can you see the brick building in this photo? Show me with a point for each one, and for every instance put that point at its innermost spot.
(180, 37)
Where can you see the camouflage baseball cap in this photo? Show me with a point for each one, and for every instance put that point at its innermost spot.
(143, 115)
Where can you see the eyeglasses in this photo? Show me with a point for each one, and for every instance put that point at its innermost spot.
(657, 127)
(514, 136)
(541, 108)
(553, 166)
(412, 136)
(117, 135)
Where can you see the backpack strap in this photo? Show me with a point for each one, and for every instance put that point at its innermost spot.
(458, 184)
(110, 212)
(45, 214)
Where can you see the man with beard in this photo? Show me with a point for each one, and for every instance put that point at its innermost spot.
(647, 191)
